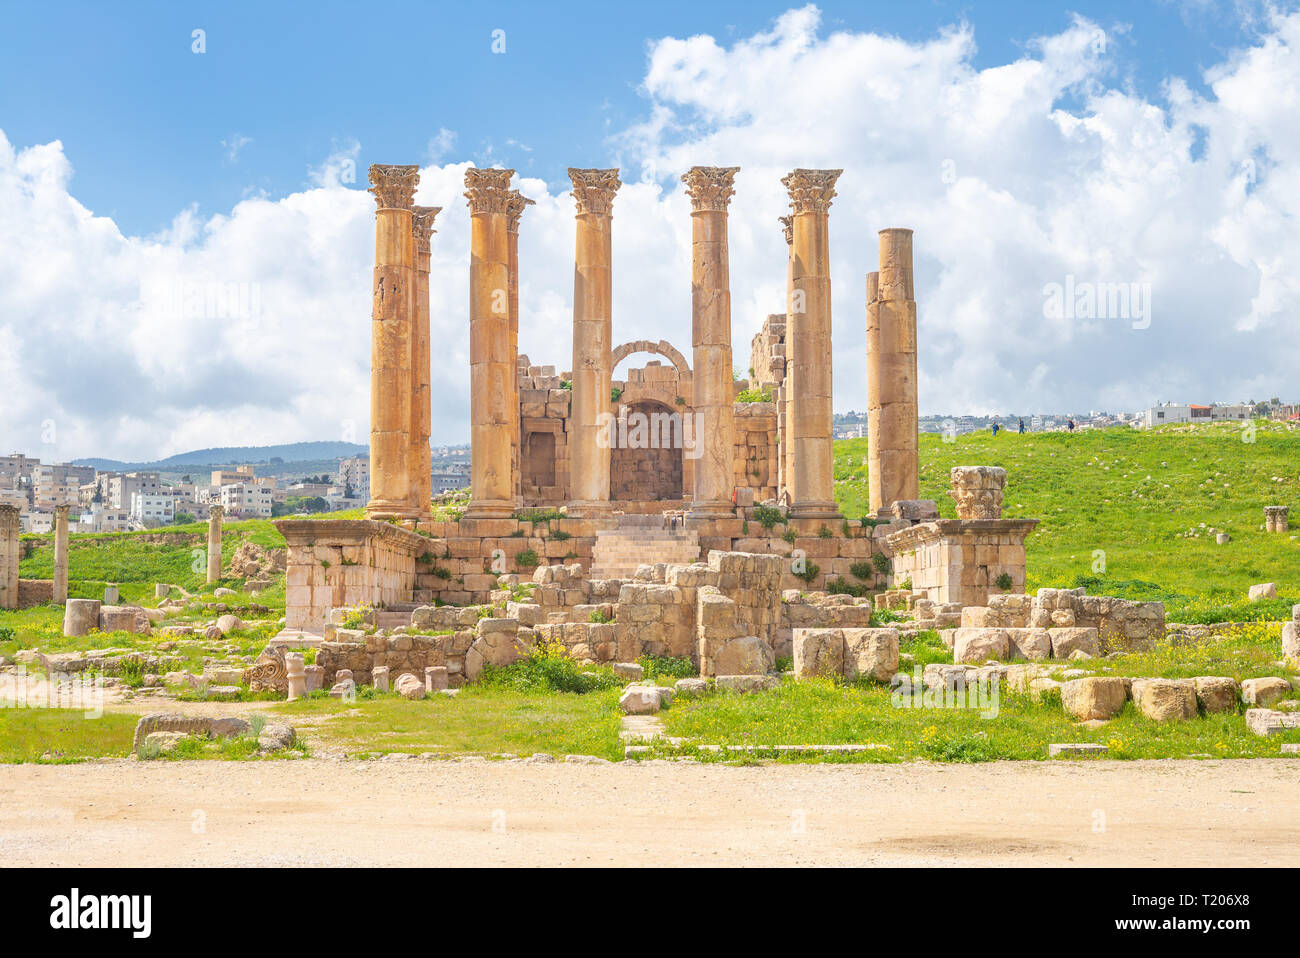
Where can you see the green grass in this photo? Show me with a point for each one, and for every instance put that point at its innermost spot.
(821, 712)
(1245, 652)
(62, 735)
(478, 721)
(1131, 495)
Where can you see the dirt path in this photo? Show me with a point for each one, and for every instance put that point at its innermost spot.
(321, 812)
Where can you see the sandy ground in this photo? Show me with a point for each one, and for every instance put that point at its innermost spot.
(324, 812)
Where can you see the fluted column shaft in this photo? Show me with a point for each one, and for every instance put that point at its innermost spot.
(420, 480)
(492, 367)
(893, 464)
(390, 342)
(786, 452)
(589, 449)
(514, 210)
(813, 489)
(710, 189)
(60, 554)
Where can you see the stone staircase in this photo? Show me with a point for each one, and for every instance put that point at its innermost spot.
(641, 540)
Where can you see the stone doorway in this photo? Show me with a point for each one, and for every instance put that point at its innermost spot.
(647, 467)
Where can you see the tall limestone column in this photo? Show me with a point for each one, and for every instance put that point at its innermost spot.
(894, 464)
(419, 466)
(492, 367)
(589, 442)
(710, 189)
(786, 452)
(390, 342)
(10, 555)
(808, 337)
(515, 206)
(60, 554)
(214, 542)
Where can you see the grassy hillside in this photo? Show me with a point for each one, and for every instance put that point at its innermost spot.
(1134, 500)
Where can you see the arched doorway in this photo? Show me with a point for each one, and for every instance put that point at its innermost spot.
(646, 458)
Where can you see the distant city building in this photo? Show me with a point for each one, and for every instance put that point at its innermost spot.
(354, 475)
(120, 487)
(100, 518)
(225, 477)
(150, 510)
(1192, 412)
(248, 500)
(448, 481)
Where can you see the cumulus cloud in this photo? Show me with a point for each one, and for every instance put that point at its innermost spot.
(253, 326)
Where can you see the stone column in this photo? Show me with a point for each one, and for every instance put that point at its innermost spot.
(710, 189)
(894, 464)
(421, 482)
(60, 554)
(592, 342)
(214, 542)
(10, 556)
(390, 342)
(492, 368)
(808, 337)
(787, 404)
(514, 210)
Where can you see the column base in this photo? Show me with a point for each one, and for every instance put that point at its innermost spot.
(815, 509)
(490, 509)
(389, 509)
(593, 509)
(717, 509)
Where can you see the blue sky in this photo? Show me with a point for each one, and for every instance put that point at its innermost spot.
(1031, 146)
(150, 125)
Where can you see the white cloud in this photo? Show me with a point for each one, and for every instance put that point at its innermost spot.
(253, 326)
(234, 144)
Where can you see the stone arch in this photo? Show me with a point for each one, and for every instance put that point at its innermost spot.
(661, 348)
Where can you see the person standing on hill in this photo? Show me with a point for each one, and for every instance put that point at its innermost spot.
(996, 427)
(1022, 427)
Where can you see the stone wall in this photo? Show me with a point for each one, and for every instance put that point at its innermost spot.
(958, 560)
(345, 562)
(757, 449)
(846, 653)
(33, 592)
(1056, 622)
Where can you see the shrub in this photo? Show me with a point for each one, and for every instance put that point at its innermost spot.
(810, 572)
(825, 533)
(862, 570)
(1004, 582)
(789, 536)
(754, 395)
(881, 563)
(559, 535)
(841, 586)
(441, 573)
(677, 667)
(526, 559)
(600, 617)
(768, 516)
(548, 668)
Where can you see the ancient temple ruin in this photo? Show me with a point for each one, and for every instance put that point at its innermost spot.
(655, 512)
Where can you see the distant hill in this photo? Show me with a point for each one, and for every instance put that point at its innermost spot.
(235, 455)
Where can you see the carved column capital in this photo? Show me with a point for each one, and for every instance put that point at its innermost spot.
(977, 491)
(811, 190)
(515, 204)
(487, 190)
(594, 190)
(710, 187)
(787, 227)
(422, 226)
(61, 512)
(394, 186)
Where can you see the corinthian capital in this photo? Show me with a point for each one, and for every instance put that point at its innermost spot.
(594, 190)
(787, 227)
(710, 187)
(422, 226)
(487, 190)
(515, 204)
(394, 186)
(811, 190)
